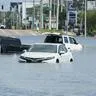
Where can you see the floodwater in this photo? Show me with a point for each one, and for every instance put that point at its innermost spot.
(29, 79)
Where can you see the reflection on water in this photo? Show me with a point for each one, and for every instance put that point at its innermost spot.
(29, 79)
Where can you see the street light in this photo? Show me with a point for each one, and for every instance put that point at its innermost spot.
(34, 13)
(25, 16)
(50, 13)
(85, 18)
(41, 13)
(57, 18)
(66, 21)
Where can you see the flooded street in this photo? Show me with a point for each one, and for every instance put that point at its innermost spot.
(38, 79)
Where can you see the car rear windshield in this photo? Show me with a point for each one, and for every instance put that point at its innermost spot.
(43, 48)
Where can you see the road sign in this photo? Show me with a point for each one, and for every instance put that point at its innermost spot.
(71, 13)
(72, 17)
(70, 6)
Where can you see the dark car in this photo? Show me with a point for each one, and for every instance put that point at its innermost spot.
(9, 44)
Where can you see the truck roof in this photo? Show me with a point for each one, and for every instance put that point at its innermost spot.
(9, 40)
(64, 35)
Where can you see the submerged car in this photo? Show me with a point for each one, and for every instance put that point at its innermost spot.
(47, 53)
(69, 41)
(11, 45)
(2, 26)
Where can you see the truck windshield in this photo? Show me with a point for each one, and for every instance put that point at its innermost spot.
(72, 40)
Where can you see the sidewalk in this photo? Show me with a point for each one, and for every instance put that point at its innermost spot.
(11, 32)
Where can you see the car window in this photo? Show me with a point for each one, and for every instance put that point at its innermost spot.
(72, 40)
(66, 39)
(62, 48)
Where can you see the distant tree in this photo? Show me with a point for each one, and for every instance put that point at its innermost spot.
(62, 17)
(1, 17)
(78, 4)
(8, 19)
(91, 22)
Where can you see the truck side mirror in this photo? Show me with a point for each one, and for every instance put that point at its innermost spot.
(24, 50)
(69, 49)
(62, 52)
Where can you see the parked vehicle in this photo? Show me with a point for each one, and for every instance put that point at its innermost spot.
(11, 45)
(47, 53)
(2, 26)
(69, 41)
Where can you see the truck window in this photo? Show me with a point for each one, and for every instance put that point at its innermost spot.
(60, 40)
(53, 39)
(50, 39)
(72, 40)
(66, 39)
(62, 48)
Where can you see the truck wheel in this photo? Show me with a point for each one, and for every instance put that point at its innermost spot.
(28, 61)
(71, 60)
(3, 49)
(57, 60)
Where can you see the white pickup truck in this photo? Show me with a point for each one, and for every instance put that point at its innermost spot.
(69, 41)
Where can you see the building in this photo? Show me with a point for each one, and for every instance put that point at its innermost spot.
(17, 8)
(91, 5)
(5, 4)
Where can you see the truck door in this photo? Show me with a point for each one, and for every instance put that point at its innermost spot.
(73, 43)
(65, 55)
(66, 42)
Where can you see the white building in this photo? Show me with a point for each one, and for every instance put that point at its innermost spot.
(6, 4)
(11, 5)
(91, 5)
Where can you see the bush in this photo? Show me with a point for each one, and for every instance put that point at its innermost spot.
(91, 23)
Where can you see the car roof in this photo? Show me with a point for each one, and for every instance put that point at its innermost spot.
(47, 44)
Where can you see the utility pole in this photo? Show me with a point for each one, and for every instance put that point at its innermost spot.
(25, 16)
(41, 14)
(11, 15)
(57, 18)
(3, 12)
(54, 7)
(66, 21)
(85, 17)
(50, 13)
(17, 14)
(61, 3)
(33, 13)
